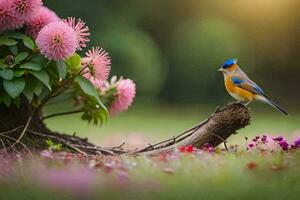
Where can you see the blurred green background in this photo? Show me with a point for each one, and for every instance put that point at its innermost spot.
(173, 48)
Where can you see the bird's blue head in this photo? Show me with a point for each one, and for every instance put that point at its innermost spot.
(229, 63)
(229, 66)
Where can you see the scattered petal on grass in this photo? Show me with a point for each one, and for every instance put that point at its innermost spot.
(251, 165)
(169, 171)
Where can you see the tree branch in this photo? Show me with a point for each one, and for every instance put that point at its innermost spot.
(214, 130)
(63, 113)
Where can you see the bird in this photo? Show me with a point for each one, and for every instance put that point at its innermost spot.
(242, 88)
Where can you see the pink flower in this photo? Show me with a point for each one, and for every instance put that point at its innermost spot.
(126, 90)
(99, 64)
(24, 9)
(96, 83)
(43, 17)
(8, 20)
(81, 30)
(57, 41)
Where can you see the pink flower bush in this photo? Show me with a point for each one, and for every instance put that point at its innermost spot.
(81, 30)
(99, 64)
(126, 90)
(43, 17)
(57, 41)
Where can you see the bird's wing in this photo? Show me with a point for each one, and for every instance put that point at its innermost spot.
(247, 84)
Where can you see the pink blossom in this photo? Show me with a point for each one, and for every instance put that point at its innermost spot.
(81, 30)
(126, 90)
(57, 41)
(43, 17)
(98, 84)
(296, 144)
(8, 20)
(99, 64)
(24, 9)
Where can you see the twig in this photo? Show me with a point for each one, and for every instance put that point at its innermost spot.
(110, 152)
(60, 140)
(174, 139)
(24, 130)
(25, 147)
(4, 148)
(224, 141)
(120, 146)
(62, 113)
(11, 131)
(13, 148)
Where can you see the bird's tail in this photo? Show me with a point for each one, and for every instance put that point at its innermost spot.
(274, 105)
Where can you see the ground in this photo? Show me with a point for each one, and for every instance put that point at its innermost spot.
(263, 172)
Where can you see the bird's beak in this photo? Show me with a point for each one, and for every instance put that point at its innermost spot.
(221, 70)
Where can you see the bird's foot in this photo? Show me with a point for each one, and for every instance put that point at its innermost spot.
(245, 103)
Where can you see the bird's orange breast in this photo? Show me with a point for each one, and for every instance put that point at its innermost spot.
(237, 92)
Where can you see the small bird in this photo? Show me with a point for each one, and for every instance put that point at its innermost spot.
(240, 87)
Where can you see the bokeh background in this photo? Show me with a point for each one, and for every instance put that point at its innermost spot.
(172, 50)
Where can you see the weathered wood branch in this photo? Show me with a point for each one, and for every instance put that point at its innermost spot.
(214, 130)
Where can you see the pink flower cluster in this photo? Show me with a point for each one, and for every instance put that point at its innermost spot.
(272, 143)
(57, 39)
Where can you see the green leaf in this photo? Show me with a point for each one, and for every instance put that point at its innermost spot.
(88, 88)
(5, 99)
(31, 65)
(7, 41)
(27, 41)
(14, 87)
(33, 86)
(61, 69)
(17, 102)
(38, 58)
(2, 64)
(21, 56)
(16, 35)
(14, 49)
(19, 72)
(42, 76)
(7, 74)
(74, 62)
(28, 92)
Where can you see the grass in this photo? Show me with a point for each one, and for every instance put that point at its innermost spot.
(179, 176)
